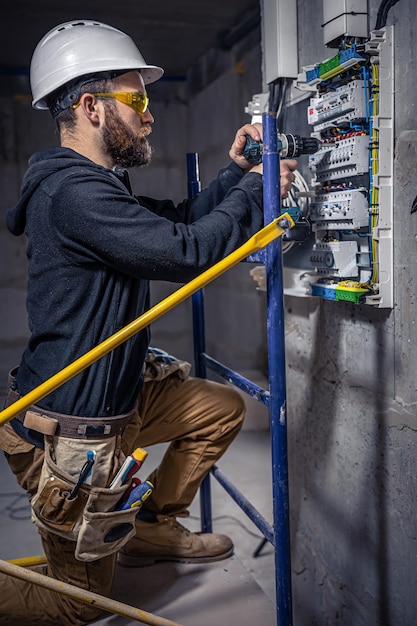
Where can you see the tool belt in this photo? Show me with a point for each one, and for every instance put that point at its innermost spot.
(52, 423)
(91, 518)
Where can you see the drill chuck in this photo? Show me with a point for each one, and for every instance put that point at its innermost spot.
(294, 146)
(290, 146)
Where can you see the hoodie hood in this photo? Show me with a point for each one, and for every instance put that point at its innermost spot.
(42, 165)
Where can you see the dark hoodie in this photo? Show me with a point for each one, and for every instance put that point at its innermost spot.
(92, 248)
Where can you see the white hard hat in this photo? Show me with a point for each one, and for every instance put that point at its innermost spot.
(81, 48)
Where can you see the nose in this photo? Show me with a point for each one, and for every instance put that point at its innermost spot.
(147, 117)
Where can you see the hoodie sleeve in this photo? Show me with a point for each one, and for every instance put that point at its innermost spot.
(97, 221)
(191, 210)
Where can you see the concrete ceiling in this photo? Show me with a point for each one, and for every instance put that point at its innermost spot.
(171, 34)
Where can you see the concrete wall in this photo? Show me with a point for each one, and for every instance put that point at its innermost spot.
(350, 369)
(352, 422)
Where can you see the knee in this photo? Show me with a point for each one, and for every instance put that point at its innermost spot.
(233, 406)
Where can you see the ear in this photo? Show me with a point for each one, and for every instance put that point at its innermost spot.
(90, 107)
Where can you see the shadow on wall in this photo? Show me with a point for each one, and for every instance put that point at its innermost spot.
(339, 368)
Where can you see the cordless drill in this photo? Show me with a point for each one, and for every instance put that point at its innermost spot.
(290, 146)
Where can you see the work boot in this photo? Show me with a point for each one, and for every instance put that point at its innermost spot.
(167, 540)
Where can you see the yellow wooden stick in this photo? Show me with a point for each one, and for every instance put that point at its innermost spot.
(258, 241)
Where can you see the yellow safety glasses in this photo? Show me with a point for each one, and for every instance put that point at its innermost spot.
(137, 101)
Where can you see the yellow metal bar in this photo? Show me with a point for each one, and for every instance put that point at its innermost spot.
(29, 561)
(84, 596)
(258, 241)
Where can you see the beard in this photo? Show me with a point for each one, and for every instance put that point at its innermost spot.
(125, 147)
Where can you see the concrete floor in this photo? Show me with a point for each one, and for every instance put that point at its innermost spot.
(239, 590)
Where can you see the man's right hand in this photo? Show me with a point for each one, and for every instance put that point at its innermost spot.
(287, 167)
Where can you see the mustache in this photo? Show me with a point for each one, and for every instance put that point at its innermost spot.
(145, 131)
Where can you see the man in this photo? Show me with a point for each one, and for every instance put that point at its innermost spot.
(92, 248)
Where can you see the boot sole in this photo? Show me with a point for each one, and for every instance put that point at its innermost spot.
(127, 560)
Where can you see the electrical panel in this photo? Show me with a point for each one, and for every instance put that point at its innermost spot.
(351, 255)
(348, 201)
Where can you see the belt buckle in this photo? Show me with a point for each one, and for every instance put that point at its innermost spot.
(94, 430)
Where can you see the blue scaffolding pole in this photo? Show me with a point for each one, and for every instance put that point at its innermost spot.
(278, 534)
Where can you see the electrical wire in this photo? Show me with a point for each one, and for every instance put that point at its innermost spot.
(296, 198)
(233, 519)
(374, 196)
(384, 8)
(19, 508)
(281, 110)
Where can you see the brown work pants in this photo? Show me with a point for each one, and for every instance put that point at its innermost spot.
(200, 418)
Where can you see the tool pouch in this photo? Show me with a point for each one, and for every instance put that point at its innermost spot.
(159, 364)
(89, 519)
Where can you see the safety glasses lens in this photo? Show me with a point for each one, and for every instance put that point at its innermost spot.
(139, 102)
